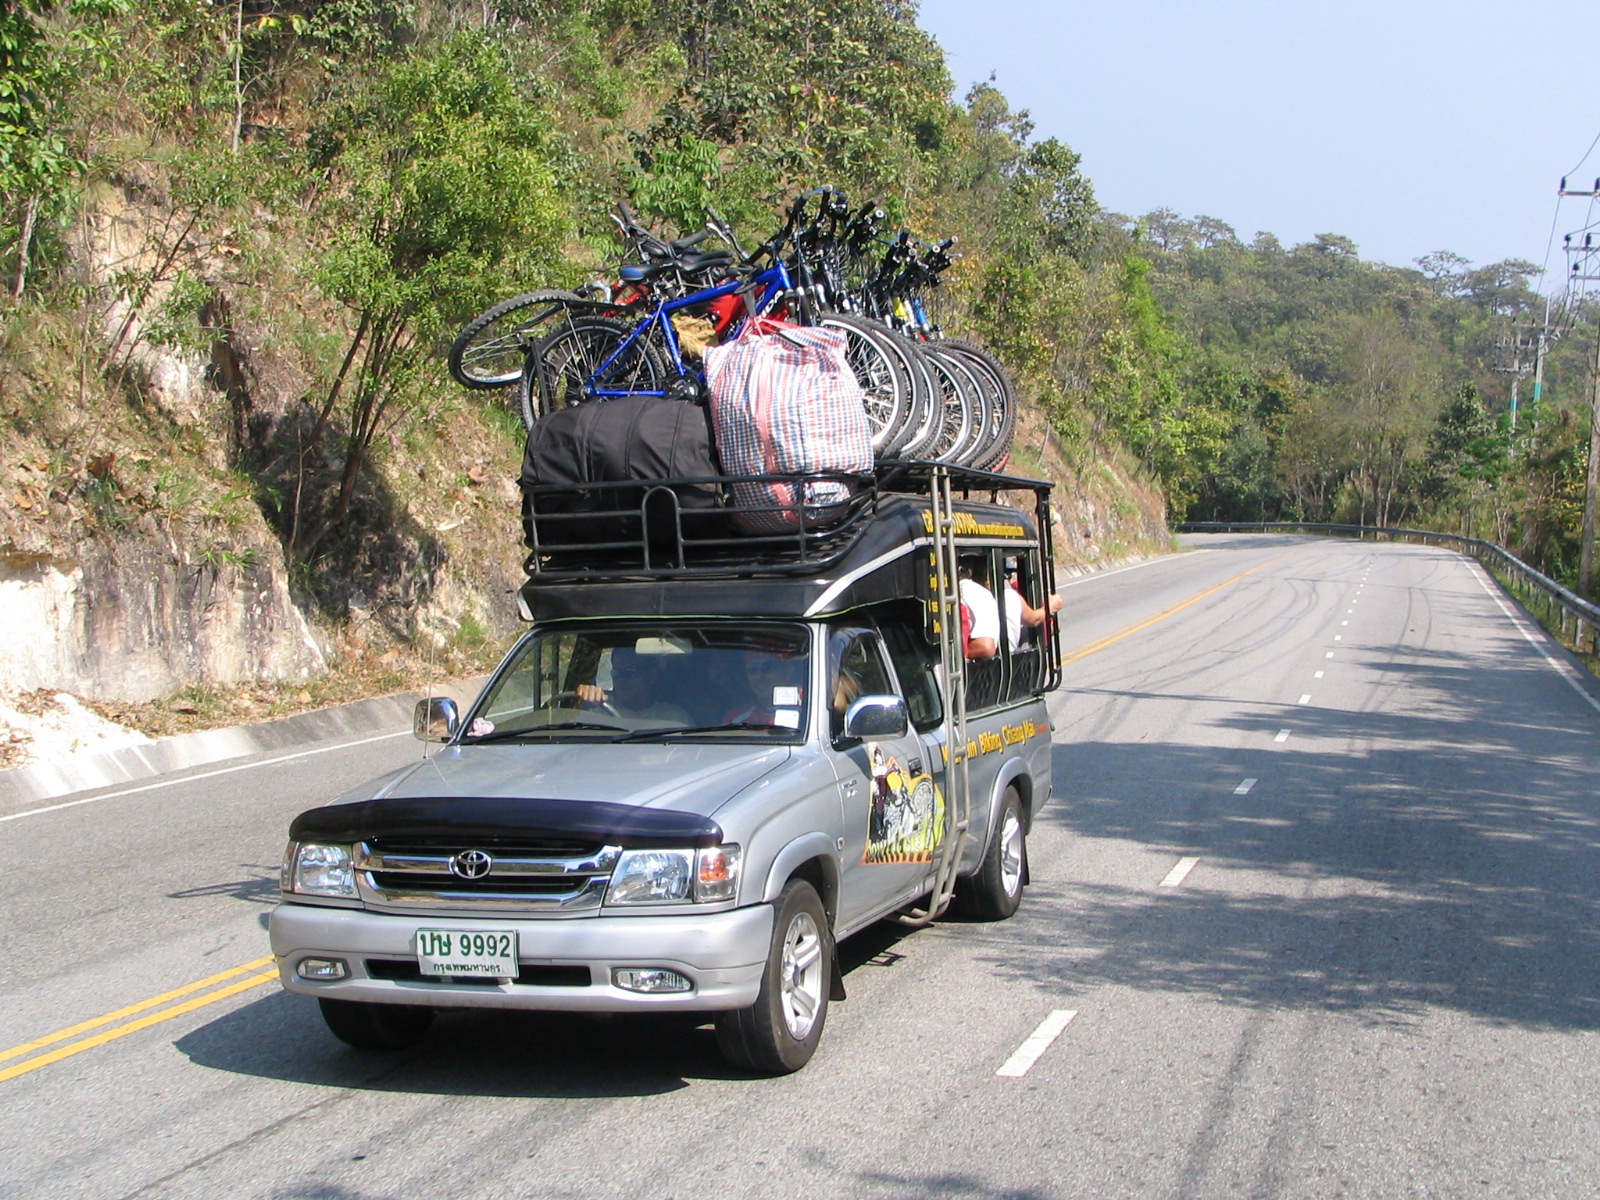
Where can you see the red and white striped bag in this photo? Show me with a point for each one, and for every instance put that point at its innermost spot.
(784, 401)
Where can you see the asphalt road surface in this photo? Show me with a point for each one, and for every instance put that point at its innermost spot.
(1313, 913)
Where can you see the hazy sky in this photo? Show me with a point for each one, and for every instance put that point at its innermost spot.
(1408, 126)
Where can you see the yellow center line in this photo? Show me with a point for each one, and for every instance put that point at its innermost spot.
(1113, 638)
(134, 1026)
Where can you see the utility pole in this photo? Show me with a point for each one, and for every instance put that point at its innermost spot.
(1579, 270)
(1586, 545)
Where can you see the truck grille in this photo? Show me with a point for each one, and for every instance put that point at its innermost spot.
(552, 876)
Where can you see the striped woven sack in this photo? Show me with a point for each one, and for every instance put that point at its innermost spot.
(784, 401)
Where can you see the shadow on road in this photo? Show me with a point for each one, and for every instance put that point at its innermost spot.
(489, 1053)
(1439, 851)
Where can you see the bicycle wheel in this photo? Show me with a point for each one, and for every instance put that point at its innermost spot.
(927, 399)
(490, 351)
(1003, 396)
(884, 389)
(571, 364)
(975, 390)
(957, 407)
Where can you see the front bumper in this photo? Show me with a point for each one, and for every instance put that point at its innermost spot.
(723, 954)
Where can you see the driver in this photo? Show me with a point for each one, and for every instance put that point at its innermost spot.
(638, 687)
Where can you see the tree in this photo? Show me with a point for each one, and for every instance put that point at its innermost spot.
(441, 190)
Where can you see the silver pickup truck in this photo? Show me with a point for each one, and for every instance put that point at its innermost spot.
(684, 785)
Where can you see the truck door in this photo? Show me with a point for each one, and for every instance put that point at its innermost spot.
(891, 808)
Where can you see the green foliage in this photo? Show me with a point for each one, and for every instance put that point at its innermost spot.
(439, 191)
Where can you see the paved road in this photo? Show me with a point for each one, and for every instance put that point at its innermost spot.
(1319, 888)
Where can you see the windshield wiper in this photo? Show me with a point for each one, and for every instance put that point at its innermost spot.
(504, 735)
(679, 730)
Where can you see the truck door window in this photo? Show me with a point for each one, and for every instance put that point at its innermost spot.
(913, 662)
(857, 670)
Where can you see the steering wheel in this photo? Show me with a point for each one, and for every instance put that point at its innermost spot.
(559, 700)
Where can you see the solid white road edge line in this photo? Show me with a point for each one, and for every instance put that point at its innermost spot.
(1559, 668)
(1178, 873)
(1036, 1043)
(150, 787)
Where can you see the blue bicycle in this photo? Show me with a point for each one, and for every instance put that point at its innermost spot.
(593, 358)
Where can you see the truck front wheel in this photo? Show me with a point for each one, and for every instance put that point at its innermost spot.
(780, 1031)
(369, 1026)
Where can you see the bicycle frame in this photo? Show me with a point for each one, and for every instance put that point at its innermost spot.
(774, 282)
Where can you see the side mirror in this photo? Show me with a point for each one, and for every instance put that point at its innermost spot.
(436, 720)
(876, 717)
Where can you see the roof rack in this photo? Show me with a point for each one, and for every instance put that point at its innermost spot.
(722, 526)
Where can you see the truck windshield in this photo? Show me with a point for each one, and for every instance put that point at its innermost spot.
(683, 681)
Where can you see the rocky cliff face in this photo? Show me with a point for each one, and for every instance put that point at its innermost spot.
(139, 618)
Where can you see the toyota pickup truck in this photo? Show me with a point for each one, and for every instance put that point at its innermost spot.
(705, 763)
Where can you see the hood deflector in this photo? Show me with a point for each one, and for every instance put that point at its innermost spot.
(484, 820)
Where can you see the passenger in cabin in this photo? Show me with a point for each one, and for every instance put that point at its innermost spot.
(776, 679)
(981, 614)
(1020, 615)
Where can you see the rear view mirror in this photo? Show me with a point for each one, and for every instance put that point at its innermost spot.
(436, 720)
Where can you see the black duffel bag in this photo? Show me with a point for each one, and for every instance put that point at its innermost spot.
(629, 440)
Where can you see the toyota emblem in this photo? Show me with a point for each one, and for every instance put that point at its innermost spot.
(471, 864)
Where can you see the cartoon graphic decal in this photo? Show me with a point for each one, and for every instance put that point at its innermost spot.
(906, 821)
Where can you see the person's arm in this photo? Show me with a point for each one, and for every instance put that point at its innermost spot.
(1034, 617)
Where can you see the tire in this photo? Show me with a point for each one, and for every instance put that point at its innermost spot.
(563, 366)
(490, 351)
(979, 404)
(994, 891)
(779, 1033)
(927, 396)
(885, 389)
(995, 448)
(368, 1026)
(956, 412)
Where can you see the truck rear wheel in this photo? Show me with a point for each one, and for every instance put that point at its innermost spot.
(368, 1026)
(780, 1031)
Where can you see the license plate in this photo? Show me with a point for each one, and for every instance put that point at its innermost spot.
(467, 952)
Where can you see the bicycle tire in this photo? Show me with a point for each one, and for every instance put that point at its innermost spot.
(976, 392)
(1004, 395)
(564, 367)
(884, 390)
(956, 409)
(490, 350)
(927, 399)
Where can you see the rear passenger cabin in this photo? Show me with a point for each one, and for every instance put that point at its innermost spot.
(809, 547)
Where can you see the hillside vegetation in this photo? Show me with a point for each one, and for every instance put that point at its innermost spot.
(236, 237)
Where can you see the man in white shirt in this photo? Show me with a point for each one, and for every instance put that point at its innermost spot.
(983, 635)
(1019, 613)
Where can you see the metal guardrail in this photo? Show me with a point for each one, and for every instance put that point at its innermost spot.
(1574, 620)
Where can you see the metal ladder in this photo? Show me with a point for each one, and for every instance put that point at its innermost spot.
(952, 654)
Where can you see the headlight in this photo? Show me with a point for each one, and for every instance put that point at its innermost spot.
(674, 876)
(314, 869)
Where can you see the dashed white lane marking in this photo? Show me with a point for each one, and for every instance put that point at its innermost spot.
(1306, 699)
(1338, 637)
(1283, 736)
(1244, 787)
(1178, 873)
(1318, 674)
(1036, 1043)
(1329, 654)
(1343, 623)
